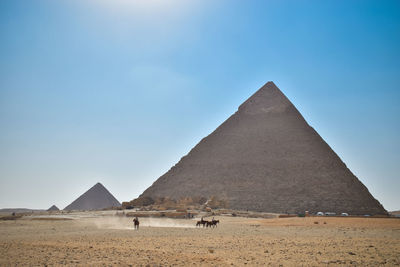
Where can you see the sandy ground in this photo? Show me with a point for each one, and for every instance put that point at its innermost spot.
(94, 240)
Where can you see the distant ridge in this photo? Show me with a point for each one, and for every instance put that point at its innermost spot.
(19, 210)
(96, 198)
(266, 157)
(53, 208)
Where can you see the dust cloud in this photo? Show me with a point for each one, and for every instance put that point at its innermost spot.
(124, 223)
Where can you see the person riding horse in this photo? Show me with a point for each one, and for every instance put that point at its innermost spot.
(201, 222)
(136, 223)
(213, 223)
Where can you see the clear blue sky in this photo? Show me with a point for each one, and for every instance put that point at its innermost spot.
(118, 91)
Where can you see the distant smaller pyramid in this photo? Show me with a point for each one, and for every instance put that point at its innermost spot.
(53, 208)
(96, 198)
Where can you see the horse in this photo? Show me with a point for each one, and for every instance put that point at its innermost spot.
(209, 224)
(215, 222)
(212, 223)
(136, 223)
(202, 222)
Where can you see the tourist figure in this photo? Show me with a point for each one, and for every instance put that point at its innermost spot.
(136, 223)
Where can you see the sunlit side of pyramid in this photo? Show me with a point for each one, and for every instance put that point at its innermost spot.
(266, 157)
(96, 198)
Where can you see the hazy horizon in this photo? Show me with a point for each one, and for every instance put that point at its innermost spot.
(117, 92)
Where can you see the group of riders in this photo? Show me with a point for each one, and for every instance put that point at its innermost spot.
(213, 223)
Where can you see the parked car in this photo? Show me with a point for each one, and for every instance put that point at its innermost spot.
(320, 213)
(344, 214)
(330, 213)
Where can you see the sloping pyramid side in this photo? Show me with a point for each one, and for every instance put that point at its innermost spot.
(96, 198)
(266, 157)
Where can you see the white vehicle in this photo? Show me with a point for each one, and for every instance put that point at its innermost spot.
(344, 214)
(330, 213)
(320, 213)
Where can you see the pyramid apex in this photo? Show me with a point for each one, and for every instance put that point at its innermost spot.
(267, 99)
(270, 83)
(98, 185)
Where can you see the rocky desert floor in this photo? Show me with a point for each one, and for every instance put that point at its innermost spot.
(105, 240)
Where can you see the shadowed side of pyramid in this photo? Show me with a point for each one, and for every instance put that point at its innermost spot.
(96, 198)
(266, 157)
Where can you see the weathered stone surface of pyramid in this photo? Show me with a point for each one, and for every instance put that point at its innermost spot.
(53, 208)
(96, 198)
(266, 157)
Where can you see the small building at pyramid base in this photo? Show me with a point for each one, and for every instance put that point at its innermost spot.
(266, 157)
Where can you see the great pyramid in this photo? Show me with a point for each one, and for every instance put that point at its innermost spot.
(53, 208)
(96, 198)
(266, 157)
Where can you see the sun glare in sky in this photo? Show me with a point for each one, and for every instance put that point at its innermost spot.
(143, 7)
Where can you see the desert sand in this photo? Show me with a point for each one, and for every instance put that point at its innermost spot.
(90, 238)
